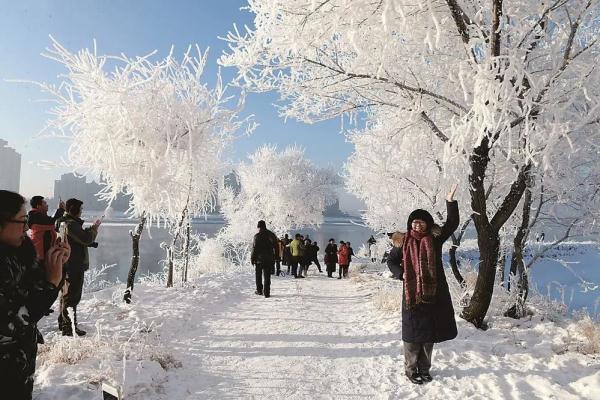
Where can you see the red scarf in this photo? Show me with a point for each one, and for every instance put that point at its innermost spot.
(420, 278)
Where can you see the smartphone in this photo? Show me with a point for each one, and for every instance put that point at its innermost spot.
(62, 232)
(110, 392)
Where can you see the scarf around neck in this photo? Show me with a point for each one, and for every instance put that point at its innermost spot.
(420, 277)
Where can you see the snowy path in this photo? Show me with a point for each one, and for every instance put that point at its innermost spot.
(315, 338)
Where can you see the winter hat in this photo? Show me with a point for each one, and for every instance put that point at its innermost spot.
(261, 224)
(423, 216)
(332, 240)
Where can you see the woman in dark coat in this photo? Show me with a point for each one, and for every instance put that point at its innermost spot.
(427, 312)
(331, 257)
(27, 290)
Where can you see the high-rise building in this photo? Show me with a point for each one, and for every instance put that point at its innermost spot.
(10, 168)
(71, 185)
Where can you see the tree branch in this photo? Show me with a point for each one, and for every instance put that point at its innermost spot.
(512, 199)
(402, 86)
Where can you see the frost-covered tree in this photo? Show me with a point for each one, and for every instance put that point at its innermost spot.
(282, 188)
(150, 129)
(496, 85)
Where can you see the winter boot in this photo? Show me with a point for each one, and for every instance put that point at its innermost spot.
(415, 378)
(79, 332)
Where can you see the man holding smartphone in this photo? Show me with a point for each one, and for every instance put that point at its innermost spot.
(79, 239)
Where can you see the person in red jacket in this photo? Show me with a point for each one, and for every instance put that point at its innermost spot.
(41, 226)
(343, 259)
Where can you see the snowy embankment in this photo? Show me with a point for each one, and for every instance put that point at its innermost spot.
(315, 338)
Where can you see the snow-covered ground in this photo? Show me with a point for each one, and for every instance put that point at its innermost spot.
(315, 338)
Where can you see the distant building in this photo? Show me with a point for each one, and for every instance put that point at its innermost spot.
(10, 168)
(333, 210)
(71, 185)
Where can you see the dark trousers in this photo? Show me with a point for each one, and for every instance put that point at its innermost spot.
(330, 269)
(316, 261)
(417, 357)
(278, 266)
(263, 270)
(295, 261)
(17, 371)
(343, 270)
(70, 297)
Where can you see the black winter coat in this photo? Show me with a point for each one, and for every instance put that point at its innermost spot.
(394, 262)
(434, 323)
(264, 248)
(331, 256)
(25, 296)
(79, 240)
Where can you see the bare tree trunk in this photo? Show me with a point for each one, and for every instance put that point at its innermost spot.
(171, 248)
(488, 237)
(187, 250)
(502, 266)
(135, 258)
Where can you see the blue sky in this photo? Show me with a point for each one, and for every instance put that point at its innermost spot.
(133, 27)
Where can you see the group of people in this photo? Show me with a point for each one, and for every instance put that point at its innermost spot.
(269, 253)
(37, 264)
(416, 259)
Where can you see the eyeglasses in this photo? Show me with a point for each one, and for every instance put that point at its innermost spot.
(20, 221)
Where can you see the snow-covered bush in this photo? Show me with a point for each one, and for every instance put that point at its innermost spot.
(389, 298)
(71, 351)
(93, 280)
(209, 258)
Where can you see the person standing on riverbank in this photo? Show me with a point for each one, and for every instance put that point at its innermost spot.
(27, 290)
(296, 252)
(264, 254)
(371, 245)
(331, 257)
(79, 239)
(343, 260)
(41, 226)
(427, 311)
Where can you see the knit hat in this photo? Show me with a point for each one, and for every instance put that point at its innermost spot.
(423, 216)
(261, 224)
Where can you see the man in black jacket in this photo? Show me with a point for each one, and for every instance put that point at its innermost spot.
(264, 253)
(79, 239)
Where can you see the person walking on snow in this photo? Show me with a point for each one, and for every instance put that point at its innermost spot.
(331, 257)
(343, 259)
(314, 250)
(427, 312)
(264, 254)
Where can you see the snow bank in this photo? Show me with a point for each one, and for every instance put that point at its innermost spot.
(315, 338)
